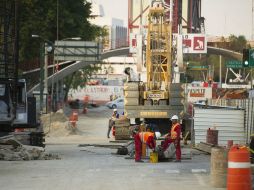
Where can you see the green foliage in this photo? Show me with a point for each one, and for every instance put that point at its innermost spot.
(237, 43)
(40, 17)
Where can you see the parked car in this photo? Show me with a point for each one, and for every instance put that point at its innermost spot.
(117, 103)
(200, 102)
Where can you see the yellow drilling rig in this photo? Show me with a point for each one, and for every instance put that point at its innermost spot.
(156, 99)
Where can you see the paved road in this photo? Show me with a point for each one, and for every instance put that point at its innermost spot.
(94, 168)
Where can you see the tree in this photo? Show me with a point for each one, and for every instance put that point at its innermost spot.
(237, 43)
(72, 21)
(79, 78)
(42, 20)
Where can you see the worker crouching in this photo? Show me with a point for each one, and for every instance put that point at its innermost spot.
(147, 139)
(174, 136)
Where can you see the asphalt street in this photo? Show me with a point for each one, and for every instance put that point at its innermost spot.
(96, 168)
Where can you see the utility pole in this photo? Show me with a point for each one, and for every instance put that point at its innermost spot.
(42, 47)
(252, 19)
(45, 69)
(220, 73)
(140, 41)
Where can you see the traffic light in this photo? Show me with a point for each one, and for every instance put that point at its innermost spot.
(246, 58)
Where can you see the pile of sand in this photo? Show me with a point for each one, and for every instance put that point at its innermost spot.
(57, 125)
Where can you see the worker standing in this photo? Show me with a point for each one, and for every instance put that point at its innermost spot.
(138, 145)
(174, 137)
(111, 123)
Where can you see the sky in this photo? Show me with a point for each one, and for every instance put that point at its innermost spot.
(223, 17)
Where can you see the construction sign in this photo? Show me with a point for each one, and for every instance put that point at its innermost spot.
(135, 43)
(192, 43)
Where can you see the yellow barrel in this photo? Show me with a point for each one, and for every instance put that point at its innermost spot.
(153, 157)
(219, 165)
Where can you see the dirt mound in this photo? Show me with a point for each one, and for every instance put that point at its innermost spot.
(57, 125)
(52, 117)
(61, 129)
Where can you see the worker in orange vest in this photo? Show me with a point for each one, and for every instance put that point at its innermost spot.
(147, 137)
(174, 136)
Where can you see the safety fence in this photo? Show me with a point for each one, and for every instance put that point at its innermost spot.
(246, 104)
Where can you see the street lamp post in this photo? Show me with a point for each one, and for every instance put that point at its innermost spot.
(41, 76)
(46, 47)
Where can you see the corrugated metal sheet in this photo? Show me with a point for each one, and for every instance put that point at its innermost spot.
(229, 123)
(247, 104)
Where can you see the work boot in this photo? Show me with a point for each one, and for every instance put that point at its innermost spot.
(139, 161)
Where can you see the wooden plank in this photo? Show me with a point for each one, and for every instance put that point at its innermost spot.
(205, 147)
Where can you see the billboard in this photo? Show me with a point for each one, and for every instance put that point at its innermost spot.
(199, 93)
(98, 94)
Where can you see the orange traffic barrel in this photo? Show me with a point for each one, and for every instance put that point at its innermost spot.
(239, 170)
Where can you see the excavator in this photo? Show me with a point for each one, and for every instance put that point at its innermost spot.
(17, 110)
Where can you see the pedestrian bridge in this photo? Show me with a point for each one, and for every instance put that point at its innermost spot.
(70, 67)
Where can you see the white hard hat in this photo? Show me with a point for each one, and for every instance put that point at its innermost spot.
(157, 134)
(115, 110)
(174, 117)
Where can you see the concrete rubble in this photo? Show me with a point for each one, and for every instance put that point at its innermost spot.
(12, 150)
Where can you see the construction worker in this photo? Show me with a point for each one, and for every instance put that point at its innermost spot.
(174, 136)
(148, 138)
(138, 145)
(111, 123)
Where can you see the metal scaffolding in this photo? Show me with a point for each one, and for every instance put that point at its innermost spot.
(8, 39)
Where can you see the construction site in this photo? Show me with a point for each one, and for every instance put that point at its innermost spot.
(151, 111)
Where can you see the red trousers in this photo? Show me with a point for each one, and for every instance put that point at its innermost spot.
(151, 142)
(166, 144)
(138, 147)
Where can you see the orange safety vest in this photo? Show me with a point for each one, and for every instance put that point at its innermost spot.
(173, 132)
(144, 136)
